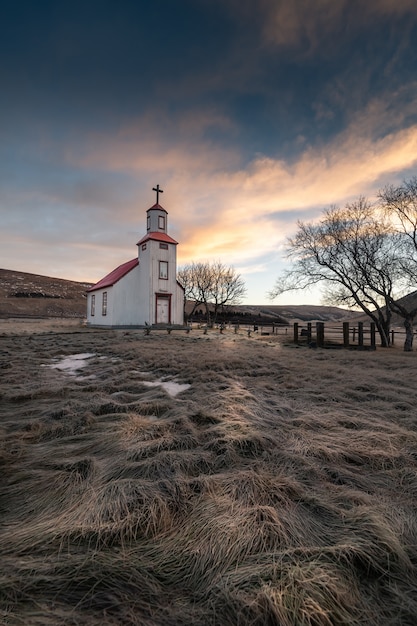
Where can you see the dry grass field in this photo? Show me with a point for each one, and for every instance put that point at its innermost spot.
(191, 479)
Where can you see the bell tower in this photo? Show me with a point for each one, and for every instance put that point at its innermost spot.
(157, 253)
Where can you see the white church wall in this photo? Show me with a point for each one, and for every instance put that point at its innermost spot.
(130, 306)
(145, 285)
(160, 285)
(178, 307)
(103, 307)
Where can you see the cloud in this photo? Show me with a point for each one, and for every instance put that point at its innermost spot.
(219, 205)
(309, 24)
(221, 208)
(184, 139)
(257, 205)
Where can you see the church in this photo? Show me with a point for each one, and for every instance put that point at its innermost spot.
(143, 291)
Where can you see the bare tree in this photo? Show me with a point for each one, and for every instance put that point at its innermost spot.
(400, 204)
(227, 287)
(351, 251)
(185, 278)
(196, 280)
(213, 285)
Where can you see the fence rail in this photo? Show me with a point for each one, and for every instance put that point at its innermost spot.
(359, 335)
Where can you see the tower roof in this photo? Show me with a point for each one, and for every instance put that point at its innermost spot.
(115, 275)
(158, 207)
(157, 237)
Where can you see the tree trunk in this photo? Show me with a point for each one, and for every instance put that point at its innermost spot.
(208, 315)
(382, 320)
(184, 311)
(408, 344)
(383, 333)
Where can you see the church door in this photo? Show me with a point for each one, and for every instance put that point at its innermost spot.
(162, 310)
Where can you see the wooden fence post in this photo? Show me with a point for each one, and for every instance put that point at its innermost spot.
(373, 335)
(360, 333)
(320, 334)
(392, 337)
(308, 332)
(353, 334)
(295, 332)
(346, 334)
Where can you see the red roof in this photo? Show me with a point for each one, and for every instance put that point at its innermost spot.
(157, 237)
(159, 207)
(115, 275)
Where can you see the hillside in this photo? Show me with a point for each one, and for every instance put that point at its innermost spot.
(30, 295)
(303, 312)
(409, 301)
(280, 314)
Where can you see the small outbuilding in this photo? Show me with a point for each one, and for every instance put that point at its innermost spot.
(143, 291)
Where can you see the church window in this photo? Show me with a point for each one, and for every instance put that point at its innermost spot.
(93, 304)
(144, 246)
(104, 304)
(163, 270)
(163, 246)
(161, 222)
(148, 222)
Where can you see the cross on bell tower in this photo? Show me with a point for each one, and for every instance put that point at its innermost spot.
(158, 191)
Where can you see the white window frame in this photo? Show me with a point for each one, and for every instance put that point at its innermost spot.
(104, 304)
(163, 270)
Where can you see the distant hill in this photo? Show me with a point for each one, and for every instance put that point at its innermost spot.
(280, 314)
(302, 312)
(30, 295)
(410, 303)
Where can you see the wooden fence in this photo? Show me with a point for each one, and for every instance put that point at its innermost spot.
(314, 334)
(359, 335)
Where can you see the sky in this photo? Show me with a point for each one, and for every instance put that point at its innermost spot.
(249, 114)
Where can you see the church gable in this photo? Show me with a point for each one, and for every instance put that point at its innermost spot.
(115, 275)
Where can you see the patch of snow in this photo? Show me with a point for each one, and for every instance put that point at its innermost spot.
(170, 386)
(72, 363)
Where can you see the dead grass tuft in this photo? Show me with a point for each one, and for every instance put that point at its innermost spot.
(279, 489)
